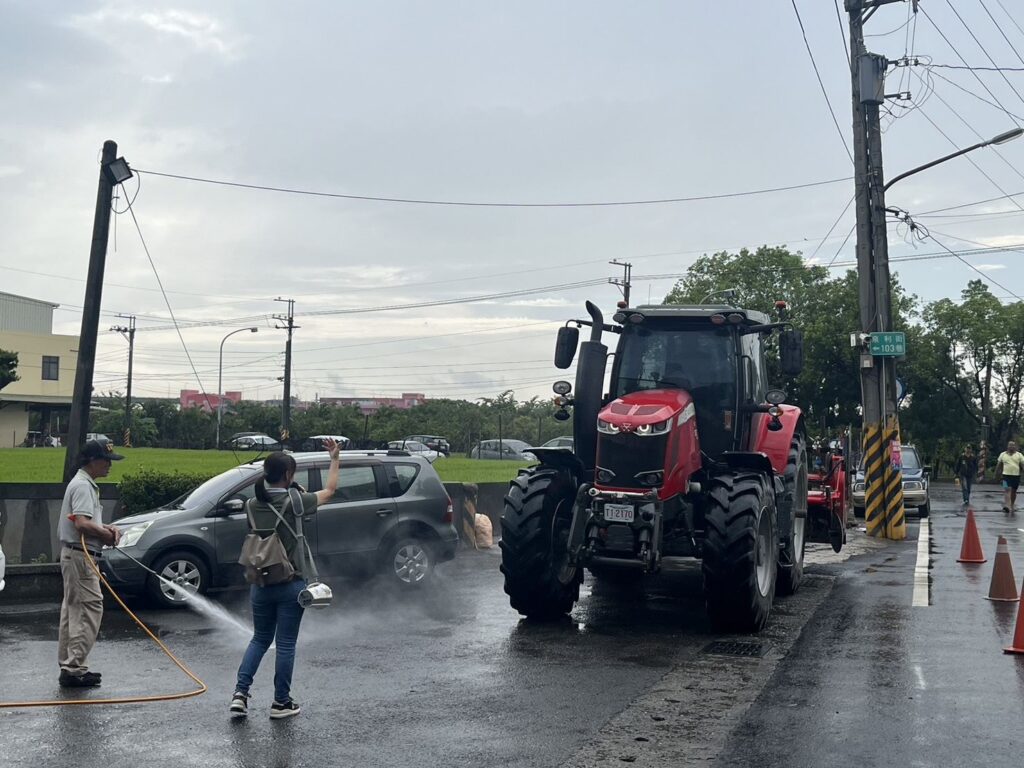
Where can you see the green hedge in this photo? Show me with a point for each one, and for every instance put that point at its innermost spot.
(149, 489)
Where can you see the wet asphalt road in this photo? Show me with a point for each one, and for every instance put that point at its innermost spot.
(851, 674)
(874, 681)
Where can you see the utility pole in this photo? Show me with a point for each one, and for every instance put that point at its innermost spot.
(286, 406)
(128, 333)
(883, 484)
(624, 283)
(78, 424)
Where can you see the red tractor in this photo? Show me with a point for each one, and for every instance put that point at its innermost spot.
(827, 495)
(688, 454)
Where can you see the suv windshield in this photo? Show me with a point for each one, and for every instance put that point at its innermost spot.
(908, 455)
(213, 488)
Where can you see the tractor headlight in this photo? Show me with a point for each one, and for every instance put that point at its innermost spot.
(131, 535)
(646, 430)
(651, 478)
(607, 427)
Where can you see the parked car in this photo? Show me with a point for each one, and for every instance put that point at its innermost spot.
(915, 484)
(513, 450)
(390, 514)
(316, 442)
(565, 441)
(433, 442)
(255, 443)
(415, 447)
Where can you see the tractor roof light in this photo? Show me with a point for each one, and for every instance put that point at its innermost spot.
(736, 318)
(636, 318)
(619, 317)
(718, 319)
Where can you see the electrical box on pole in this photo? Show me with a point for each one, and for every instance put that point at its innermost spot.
(871, 73)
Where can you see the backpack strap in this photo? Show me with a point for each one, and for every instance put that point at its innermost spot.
(279, 514)
(308, 565)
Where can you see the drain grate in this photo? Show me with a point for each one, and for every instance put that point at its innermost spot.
(736, 648)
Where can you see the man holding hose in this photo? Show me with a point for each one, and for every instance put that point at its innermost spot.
(81, 513)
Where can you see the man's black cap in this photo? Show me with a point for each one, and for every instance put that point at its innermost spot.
(96, 449)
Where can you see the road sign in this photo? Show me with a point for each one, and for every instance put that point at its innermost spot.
(891, 344)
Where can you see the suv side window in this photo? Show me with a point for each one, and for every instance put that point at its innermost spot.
(404, 474)
(354, 484)
(248, 491)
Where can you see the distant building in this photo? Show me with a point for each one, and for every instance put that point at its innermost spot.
(370, 405)
(193, 398)
(46, 369)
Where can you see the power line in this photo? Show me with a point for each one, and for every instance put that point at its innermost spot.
(167, 301)
(982, 99)
(814, 64)
(984, 50)
(475, 204)
(964, 261)
(842, 34)
(999, 27)
(977, 77)
(1012, 20)
(978, 69)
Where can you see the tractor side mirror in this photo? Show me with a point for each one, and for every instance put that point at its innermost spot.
(791, 352)
(565, 346)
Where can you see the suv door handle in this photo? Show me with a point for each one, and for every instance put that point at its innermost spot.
(384, 512)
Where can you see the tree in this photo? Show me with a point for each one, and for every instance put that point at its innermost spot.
(976, 357)
(825, 308)
(8, 368)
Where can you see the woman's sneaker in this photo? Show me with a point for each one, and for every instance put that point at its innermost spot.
(288, 709)
(239, 704)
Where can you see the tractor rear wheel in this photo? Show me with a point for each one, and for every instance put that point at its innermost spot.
(740, 555)
(539, 581)
(791, 558)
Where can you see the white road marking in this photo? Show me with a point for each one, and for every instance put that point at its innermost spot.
(921, 569)
(921, 684)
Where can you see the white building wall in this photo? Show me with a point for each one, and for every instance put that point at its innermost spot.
(13, 424)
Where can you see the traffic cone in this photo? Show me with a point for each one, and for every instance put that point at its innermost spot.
(1018, 635)
(970, 550)
(1004, 586)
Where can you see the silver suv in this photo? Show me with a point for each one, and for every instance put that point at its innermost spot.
(390, 514)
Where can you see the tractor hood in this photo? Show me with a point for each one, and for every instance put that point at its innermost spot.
(651, 410)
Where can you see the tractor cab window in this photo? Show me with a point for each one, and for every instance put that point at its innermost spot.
(697, 357)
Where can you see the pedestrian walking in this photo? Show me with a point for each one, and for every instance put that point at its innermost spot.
(966, 470)
(276, 613)
(1008, 467)
(81, 515)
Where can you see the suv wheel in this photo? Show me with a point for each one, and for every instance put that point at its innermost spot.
(408, 562)
(184, 573)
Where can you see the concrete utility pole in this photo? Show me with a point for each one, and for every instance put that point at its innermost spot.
(883, 482)
(286, 406)
(128, 333)
(78, 424)
(625, 283)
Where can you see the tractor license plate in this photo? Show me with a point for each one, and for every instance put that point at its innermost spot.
(619, 513)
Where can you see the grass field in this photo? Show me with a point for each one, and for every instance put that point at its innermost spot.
(45, 465)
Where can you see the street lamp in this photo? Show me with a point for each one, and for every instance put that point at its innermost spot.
(220, 372)
(1002, 138)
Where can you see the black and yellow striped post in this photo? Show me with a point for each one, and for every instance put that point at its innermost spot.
(874, 496)
(127, 437)
(895, 517)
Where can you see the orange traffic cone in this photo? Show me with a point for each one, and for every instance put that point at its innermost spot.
(1003, 587)
(1018, 635)
(970, 550)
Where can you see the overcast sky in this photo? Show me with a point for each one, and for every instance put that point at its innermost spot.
(474, 101)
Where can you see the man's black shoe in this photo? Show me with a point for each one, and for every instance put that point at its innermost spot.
(87, 680)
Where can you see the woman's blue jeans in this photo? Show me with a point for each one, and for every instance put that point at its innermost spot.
(276, 615)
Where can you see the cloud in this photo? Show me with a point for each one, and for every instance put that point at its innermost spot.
(10, 170)
(989, 267)
(159, 80)
(542, 302)
(202, 31)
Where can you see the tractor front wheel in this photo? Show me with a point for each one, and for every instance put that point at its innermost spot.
(539, 580)
(740, 555)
